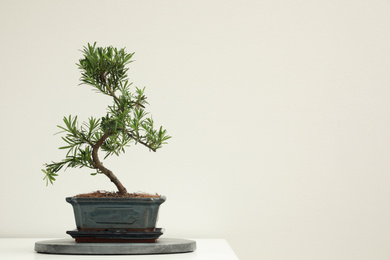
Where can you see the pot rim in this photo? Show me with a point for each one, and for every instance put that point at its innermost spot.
(106, 199)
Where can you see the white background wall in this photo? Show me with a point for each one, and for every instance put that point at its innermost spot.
(279, 112)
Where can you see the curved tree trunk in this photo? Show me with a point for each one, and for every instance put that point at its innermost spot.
(98, 165)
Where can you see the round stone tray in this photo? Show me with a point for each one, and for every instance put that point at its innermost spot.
(69, 246)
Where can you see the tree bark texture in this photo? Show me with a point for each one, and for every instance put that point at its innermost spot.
(98, 165)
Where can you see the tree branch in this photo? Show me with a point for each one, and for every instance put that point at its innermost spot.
(98, 165)
(139, 141)
(104, 79)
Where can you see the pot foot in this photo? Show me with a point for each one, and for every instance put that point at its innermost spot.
(112, 236)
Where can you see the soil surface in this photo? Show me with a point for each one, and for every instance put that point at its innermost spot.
(108, 194)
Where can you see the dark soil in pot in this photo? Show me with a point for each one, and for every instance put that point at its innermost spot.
(108, 194)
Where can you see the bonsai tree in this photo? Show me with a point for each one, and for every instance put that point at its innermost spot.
(126, 120)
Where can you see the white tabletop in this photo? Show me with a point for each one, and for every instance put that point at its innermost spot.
(23, 248)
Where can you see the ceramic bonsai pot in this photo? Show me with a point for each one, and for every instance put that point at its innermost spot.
(116, 219)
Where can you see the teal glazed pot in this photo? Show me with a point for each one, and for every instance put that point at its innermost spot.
(129, 214)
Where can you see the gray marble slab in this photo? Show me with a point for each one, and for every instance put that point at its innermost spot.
(69, 246)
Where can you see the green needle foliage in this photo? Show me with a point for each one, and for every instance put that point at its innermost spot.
(126, 120)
